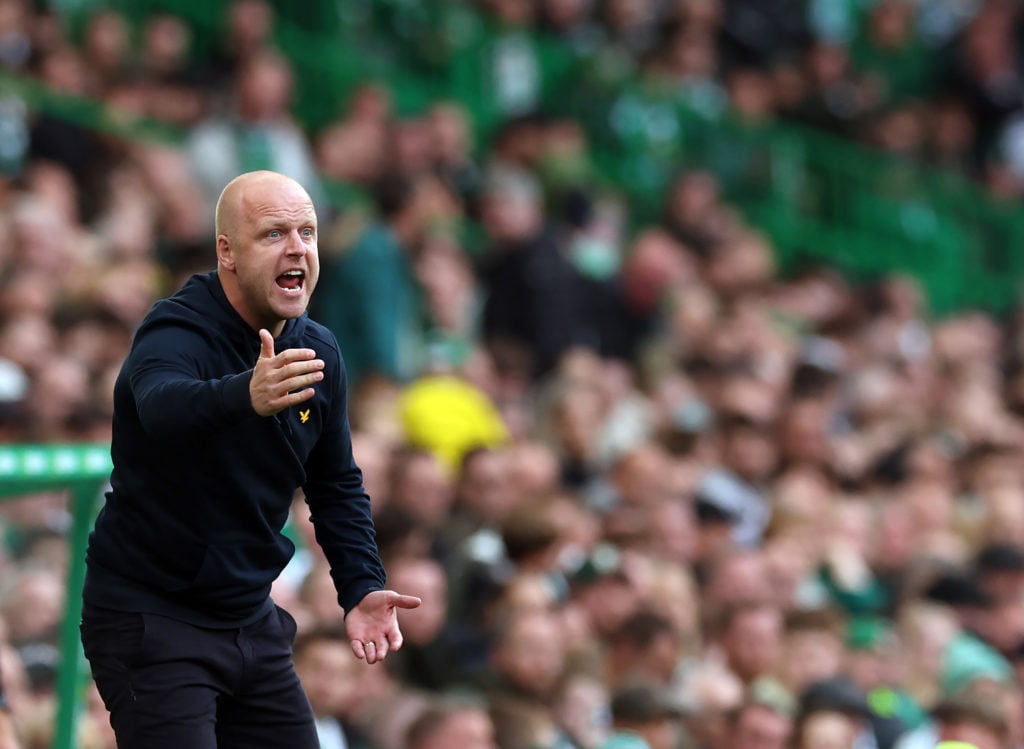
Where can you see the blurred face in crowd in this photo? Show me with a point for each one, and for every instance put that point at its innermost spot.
(467, 728)
(27, 293)
(828, 730)
(691, 55)
(264, 87)
(513, 12)
(897, 534)
(608, 602)
(671, 591)
(534, 468)
(531, 654)
(655, 265)
(926, 631)
(582, 710)
(32, 610)
(563, 15)
(578, 416)
(1001, 624)
(327, 669)
(751, 90)
(425, 577)
(249, 23)
(803, 433)
(713, 692)
(891, 22)
(420, 486)
(1005, 508)
(267, 248)
(40, 236)
(106, 41)
(354, 151)
(791, 561)
(659, 734)
(749, 450)
(450, 134)
(410, 145)
(811, 655)
(485, 486)
(59, 390)
(693, 198)
(760, 727)
(752, 641)
(512, 214)
(674, 532)
(166, 43)
(642, 475)
(870, 668)
(625, 14)
(739, 576)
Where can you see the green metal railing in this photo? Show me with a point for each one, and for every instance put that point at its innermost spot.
(84, 470)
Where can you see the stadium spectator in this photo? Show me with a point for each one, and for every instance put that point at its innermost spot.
(256, 132)
(456, 725)
(370, 298)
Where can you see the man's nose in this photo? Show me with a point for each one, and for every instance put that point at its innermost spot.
(295, 244)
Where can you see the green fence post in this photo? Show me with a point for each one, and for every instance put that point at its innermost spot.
(83, 503)
(84, 469)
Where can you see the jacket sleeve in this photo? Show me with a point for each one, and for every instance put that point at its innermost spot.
(171, 397)
(340, 507)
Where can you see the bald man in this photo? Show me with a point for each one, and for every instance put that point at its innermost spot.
(230, 400)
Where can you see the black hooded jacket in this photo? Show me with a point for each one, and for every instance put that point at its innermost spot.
(202, 485)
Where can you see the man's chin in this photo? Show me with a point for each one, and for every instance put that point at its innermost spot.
(286, 300)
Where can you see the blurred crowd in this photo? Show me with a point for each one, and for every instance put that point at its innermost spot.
(654, 492)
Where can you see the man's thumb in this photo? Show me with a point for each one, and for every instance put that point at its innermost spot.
(266, 344)
(405, 602)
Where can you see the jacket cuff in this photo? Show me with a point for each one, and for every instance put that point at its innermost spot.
(235, 397)
(353, 595)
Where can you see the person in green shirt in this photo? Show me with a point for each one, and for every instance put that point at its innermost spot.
(369, 297)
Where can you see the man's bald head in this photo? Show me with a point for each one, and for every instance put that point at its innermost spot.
(266, 227)
(232, 201)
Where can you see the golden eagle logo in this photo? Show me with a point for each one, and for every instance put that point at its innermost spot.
(304, 416)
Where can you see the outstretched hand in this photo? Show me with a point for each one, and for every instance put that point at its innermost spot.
(280, 381)
(372, 625)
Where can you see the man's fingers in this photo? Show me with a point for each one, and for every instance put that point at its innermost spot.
(266, 344)
(292, 399)
(359, 649)
(298, 368)
(294, 385)
(296, 355)
(372, 650)
(395, 640)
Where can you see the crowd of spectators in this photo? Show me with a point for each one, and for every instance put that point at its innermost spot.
(653, 491)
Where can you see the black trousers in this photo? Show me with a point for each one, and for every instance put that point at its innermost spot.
(172, 685)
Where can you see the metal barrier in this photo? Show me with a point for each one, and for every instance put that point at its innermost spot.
(84, 469)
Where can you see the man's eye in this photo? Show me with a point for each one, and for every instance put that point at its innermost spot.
(274, 234)
(307, 232)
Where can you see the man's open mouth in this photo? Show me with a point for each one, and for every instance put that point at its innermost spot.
(291, 280)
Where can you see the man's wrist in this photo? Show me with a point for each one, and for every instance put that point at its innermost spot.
(354, 600)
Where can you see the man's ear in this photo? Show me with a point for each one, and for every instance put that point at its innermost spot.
(225, 257)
